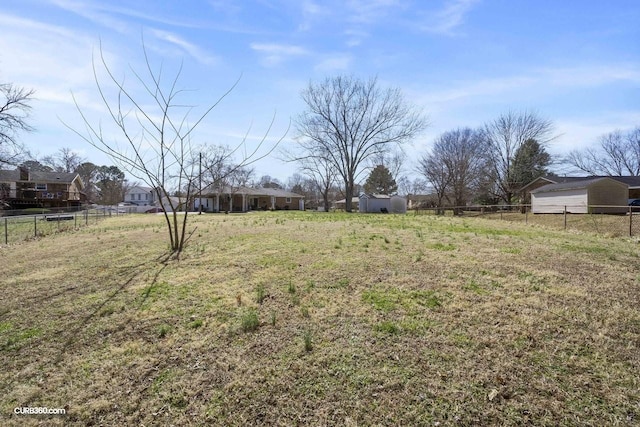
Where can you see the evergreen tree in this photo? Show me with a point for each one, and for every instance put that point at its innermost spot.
(530, 161)
(380, 181)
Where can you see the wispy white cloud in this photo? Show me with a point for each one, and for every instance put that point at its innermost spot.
(355, 36)
(465, 91)
(339, 62)
(371, 11)
(275, 53)
(116, 18)
(535, 82)
(93, 13)
(311, 11)
(7, 21)
(449, 18)
(590, 75)
(199, 54)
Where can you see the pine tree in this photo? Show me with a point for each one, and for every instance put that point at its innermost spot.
(380, 181)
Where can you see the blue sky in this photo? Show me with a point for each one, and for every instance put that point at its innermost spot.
(463, 62)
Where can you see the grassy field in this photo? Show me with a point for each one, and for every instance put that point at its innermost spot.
(285, 318)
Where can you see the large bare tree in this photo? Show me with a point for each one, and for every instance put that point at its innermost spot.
(350, 121)
(14, 114)
(64, 160)
(504, 136)
(617, 154)
(155, 129)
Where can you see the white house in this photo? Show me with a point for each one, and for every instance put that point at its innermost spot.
(372, 203)
(596, 195)
(141, 196)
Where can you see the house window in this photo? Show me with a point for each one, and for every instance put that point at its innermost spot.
(146, 196)
(288, 200)
(133, 197)
(41, 187)
(139, 196)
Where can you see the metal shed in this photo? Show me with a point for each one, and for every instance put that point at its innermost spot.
(593, 195)
(376, 203)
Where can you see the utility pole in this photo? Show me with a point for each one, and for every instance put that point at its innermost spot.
(200, 186)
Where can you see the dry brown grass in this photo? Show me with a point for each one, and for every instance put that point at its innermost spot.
(409, 320)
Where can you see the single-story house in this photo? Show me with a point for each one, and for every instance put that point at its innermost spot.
(22, 188)
(595, 195)
(342, 204)
(141, 196)
(243, 199)
(371, 203)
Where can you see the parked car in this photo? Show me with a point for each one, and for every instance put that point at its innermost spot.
(154, 210)
(635, 202)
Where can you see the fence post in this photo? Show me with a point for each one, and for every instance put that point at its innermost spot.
(6, 232)
(58, 222)
(630, 221)
(565, 217)
(75, 220)
(526, 215)
(35, 226)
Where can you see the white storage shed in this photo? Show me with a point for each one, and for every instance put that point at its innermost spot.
(377, 203)
(591, 195)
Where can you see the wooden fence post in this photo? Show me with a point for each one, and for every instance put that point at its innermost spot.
(565, 217)
(630, 221)
(35, 226)
(6, 232)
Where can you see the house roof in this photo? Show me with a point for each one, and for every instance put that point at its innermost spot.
(552, 179)
(39, 177)
(574, 184)
(353, 200)
(375, 196)
(140, 188)
(275, 192)
(631, 181)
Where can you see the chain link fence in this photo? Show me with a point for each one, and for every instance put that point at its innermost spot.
(625, 222)
(28, 224)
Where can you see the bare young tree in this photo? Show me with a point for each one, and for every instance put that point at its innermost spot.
(351, 121)
(321, 171)
(618, 154)
(14, 114)
(503, 137)
(157, 131)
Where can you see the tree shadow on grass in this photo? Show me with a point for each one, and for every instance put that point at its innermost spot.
(86, 321)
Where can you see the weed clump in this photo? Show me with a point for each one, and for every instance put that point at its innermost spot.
(249, 321)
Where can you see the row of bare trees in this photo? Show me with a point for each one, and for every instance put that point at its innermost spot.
(352, 126)
(617, 154)
(488, 164)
